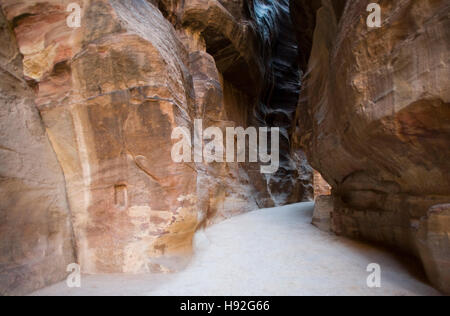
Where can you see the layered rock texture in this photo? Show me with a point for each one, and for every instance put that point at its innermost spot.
(321, 187)
(87, 116)
(36, 237)
(374, 119)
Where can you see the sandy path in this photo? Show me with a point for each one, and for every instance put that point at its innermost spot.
(267, 252)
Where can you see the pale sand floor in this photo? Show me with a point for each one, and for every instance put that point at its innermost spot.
(264, 253)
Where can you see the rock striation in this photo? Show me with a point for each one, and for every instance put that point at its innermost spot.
(374, 120)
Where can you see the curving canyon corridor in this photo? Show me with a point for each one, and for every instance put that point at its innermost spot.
(269, 252)
(174, 147)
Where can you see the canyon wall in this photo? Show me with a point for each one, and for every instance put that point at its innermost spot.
(104, 98)
(374, 120)
(36, 237)
(87, 114)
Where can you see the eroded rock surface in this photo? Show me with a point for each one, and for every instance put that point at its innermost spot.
(110, 94)
(434, 246)
(321, 187)
(323, 210)
(374, 119)
(36, 237)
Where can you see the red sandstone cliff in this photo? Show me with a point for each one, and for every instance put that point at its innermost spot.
(86, 132)
(374, 120)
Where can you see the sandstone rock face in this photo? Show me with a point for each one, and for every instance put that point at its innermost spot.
(36, 236)
(374, 119)
(110, 93)
(321, 187)
(277, 101)
(323, 210)
(255, 53)
(434, 245)
(115, 89)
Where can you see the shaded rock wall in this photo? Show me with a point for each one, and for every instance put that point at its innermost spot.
(109, 95)
(374, 119)
(36, 237)
(255, 53)
(278, 98)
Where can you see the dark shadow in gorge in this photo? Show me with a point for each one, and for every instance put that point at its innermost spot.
(277, 101)
(267, 74)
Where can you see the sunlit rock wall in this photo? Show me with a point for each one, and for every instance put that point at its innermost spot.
(109, 94)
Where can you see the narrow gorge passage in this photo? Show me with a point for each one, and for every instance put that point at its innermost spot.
(163, 147)
(267, 252)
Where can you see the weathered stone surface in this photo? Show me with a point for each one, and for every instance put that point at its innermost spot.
(374, 118)
(233, 43)
(36, 243)
(110, 93)
(323, 210)
(255, 52)
(434, 245)
(277, 102)
(321, 187)
(125, 90)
